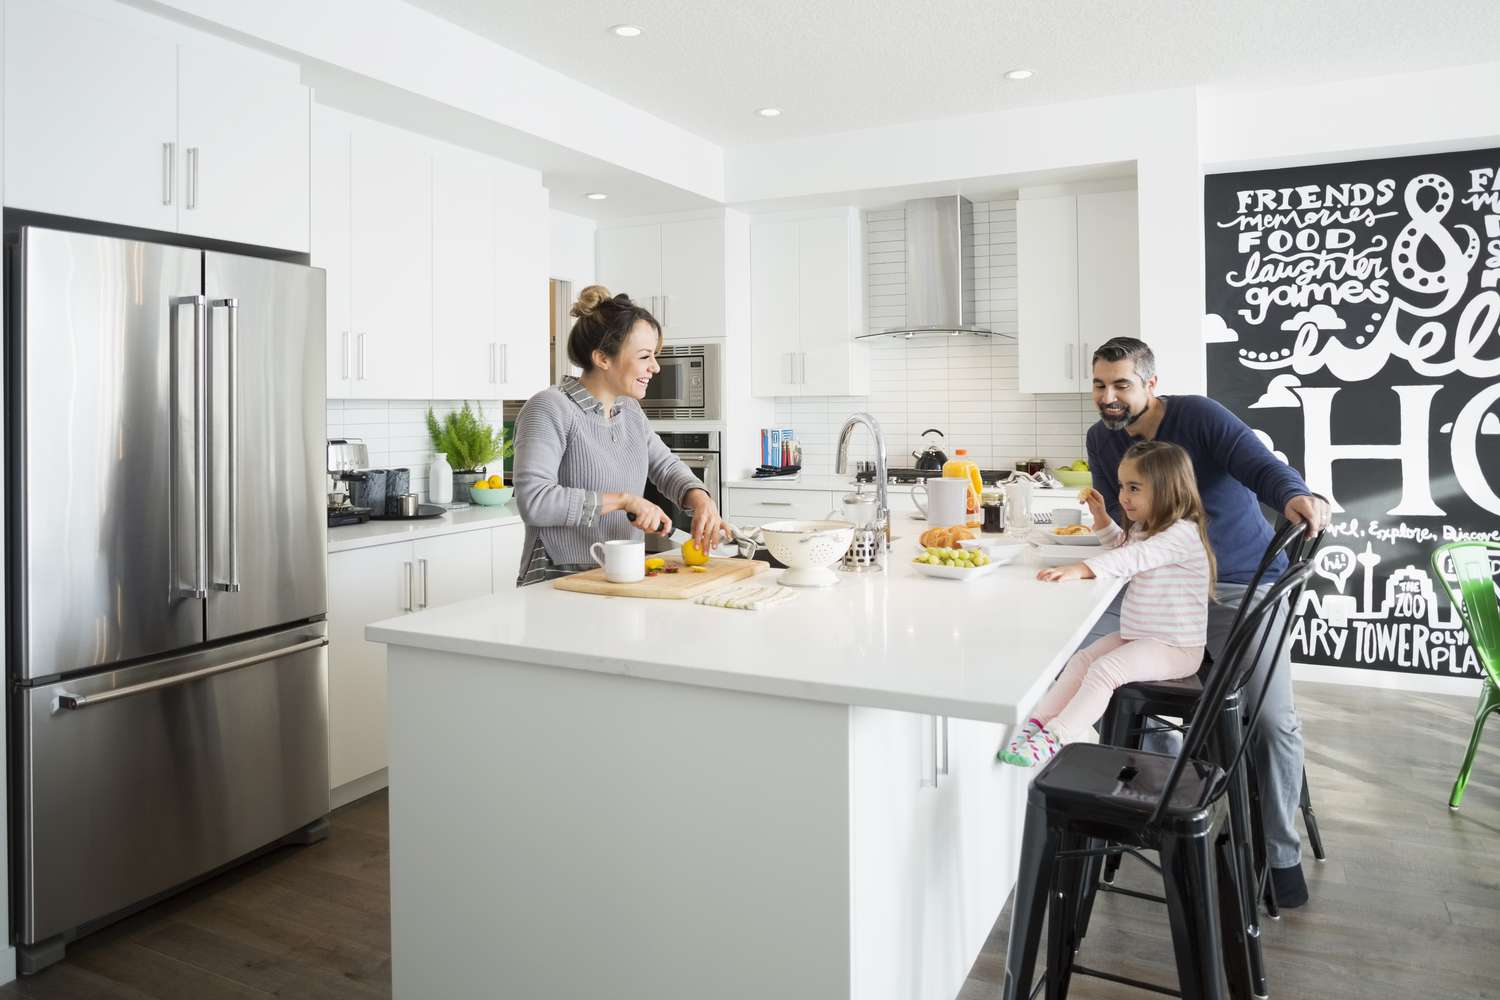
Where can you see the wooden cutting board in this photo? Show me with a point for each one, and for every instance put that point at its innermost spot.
(680, 586)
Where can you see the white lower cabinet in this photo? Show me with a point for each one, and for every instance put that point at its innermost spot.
(506, 543)
(370, 585)
(933, 831)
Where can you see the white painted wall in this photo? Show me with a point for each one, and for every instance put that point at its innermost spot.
(570, 248)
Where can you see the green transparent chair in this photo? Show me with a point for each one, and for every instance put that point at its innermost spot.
(1475, 598)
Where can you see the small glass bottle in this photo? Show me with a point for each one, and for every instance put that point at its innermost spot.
(993, 504)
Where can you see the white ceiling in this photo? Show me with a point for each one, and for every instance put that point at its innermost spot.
(835, 65)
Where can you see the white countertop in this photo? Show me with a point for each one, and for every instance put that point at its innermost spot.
(811, 481)
(474, 518)
(980, 649)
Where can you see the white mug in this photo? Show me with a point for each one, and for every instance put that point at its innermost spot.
(947, 501)
(1063, 517)
(623, 559)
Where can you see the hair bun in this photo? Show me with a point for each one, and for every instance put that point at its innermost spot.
(588, 301)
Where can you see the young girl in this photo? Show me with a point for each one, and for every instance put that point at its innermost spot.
(1164, 616)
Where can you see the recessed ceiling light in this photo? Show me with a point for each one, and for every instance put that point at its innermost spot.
(596, 196)
(1018, 74)
(626, 30)
(768, 112)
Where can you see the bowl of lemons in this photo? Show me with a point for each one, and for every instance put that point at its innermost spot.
(1076, 475)
(491, 492)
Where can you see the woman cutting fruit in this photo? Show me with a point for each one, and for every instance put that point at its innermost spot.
(584, 450)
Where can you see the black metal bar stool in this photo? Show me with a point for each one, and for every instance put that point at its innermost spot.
(1140, 708)
(1135, 800)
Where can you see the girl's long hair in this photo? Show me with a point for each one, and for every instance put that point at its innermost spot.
(1174, 494)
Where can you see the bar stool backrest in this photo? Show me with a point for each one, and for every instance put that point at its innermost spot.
(1474, 597)
(1241, 652)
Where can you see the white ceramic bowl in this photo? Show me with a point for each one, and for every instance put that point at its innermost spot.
(808, 549)
(1058, 555)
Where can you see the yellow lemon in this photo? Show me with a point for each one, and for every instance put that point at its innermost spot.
(691, 555)
(480, 484)
(496, 483)
(655, 563)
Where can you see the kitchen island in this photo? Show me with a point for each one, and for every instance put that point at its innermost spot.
(608, 797)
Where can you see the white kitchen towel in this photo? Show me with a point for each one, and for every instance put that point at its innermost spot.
(747, 596)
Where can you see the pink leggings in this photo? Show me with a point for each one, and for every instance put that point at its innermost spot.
(1081, 692)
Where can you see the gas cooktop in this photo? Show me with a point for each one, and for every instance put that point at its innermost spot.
(905, 476)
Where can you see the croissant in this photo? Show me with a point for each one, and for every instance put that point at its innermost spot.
(1071, 529)
(944, 538)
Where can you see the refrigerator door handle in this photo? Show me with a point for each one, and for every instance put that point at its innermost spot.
(199, 586)
(232, 308)
(74, 702)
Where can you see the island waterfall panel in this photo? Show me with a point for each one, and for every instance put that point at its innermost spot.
(1351, 321)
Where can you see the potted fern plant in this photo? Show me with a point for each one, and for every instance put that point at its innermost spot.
(469, 442)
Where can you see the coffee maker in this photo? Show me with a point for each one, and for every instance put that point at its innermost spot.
(348, 466)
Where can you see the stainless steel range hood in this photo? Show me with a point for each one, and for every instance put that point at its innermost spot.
(939, 271)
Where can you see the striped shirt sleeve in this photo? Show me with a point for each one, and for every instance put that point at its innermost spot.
(1178, 544)
(1111, 536)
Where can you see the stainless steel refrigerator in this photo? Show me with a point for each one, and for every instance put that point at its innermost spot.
(166, 570)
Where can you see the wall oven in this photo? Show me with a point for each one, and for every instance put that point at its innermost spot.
(689, 383)
(699, 451)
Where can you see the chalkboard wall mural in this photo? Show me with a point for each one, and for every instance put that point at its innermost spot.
(1351, 321)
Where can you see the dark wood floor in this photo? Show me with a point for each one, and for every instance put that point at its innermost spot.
(1408, 904)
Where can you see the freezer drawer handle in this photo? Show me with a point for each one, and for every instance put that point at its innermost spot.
(73, 702)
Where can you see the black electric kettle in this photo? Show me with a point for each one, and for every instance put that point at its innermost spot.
(933, 457)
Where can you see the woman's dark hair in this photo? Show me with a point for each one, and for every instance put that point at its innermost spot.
(604, 324)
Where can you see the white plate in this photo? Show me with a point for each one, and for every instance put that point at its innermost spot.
(1057, 555)
(1000, 553)
(1044, 536)
(954, 572)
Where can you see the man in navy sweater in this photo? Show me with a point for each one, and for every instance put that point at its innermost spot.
(1236, 474)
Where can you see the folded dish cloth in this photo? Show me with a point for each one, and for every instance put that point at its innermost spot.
(747, 596)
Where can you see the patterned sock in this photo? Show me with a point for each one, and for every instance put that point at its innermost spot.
(1011, 753)
(1039, 749)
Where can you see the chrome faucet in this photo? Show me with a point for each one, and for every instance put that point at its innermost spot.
(841, 467)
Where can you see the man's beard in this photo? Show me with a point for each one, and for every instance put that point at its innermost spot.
(1120, 422)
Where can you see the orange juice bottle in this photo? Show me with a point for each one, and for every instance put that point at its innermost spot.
(959, 467)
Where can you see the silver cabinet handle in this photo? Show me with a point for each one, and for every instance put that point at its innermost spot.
(944, 769)
(802, 369)
(492, 362)
(199, 587)
(346, 354)
(406, 570)
(192, 177)
(1085, 366)
(1069, 369)
(930, 775)
(361, 339)
(232, 338)
(774, 503)
(653, 305)
(666, 310)
(168, 171)
(423, 602)
(73, 702)
(504, 351)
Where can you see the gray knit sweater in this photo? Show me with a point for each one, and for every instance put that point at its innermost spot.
(567, 456)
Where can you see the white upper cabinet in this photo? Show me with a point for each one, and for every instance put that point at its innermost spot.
(243, 126)
(464, 334)
(390, 221)
(114, 116)
(628, 260)
(437, 266)
(522, 355)
(807, 305)
(1078, 285)
(330, 240)
(692, 279)
(675, 269)
(90, 117)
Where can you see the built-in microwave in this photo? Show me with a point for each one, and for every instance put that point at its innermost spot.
(688, 385)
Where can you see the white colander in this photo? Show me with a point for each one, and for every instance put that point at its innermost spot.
(808, 549)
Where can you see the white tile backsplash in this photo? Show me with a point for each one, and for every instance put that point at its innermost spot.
(965, 387)
(395, 431)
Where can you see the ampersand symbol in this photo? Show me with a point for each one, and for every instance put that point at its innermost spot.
(1427, 223)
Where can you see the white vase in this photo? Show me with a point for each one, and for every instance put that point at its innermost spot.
(440, 480)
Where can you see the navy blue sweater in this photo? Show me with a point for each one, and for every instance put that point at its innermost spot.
(1235, 474)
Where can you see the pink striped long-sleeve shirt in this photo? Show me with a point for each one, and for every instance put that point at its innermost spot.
(1167, 598)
